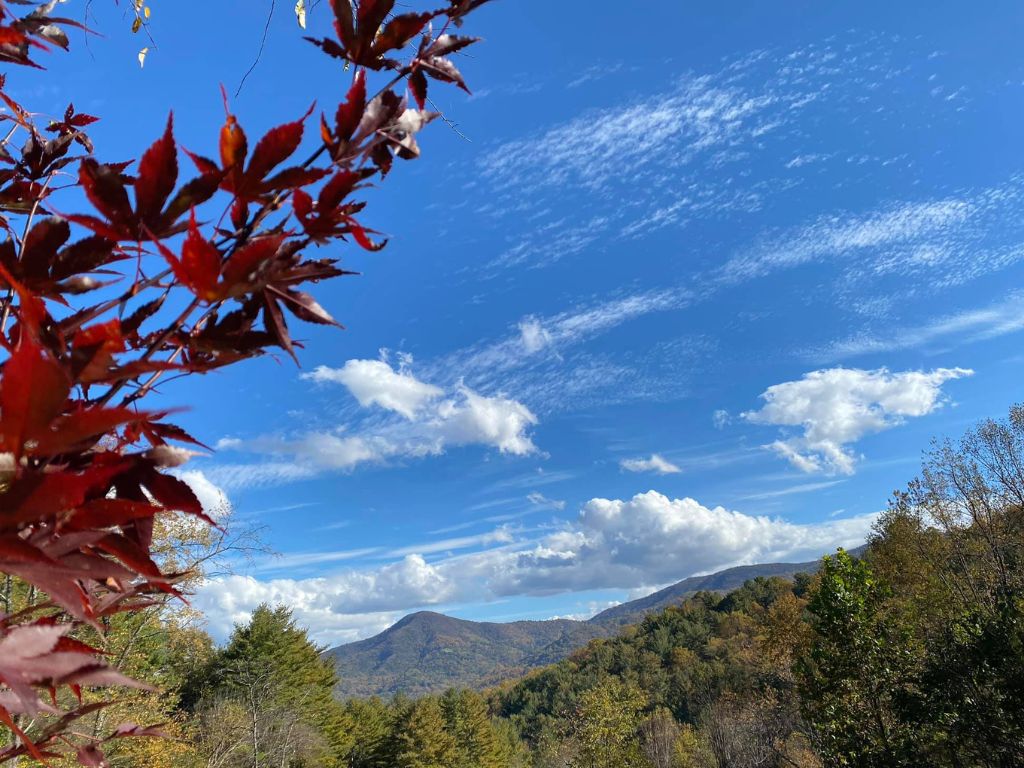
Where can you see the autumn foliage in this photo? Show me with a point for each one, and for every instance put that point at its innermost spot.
(184, 263)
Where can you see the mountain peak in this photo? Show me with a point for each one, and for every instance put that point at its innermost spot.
(426, 651)
(419, 617)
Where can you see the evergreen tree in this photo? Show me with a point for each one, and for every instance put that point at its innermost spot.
(477, 742)
(277, 675)
(371, 730)
(422, 739)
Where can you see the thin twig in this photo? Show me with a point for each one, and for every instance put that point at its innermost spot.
(450, 123)
(259, 53)
(152, 380)
(9, 298)
(153, 349)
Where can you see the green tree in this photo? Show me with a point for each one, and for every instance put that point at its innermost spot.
(952, 547)
(422, 739)
(605, 725)
(477, 743)
(277, 676)
(692, 749)
(370, 725)
(857, 678)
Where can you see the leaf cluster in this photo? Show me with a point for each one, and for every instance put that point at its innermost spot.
(161, 275)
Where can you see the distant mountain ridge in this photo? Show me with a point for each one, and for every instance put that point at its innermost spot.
(427, 652)
(722, 581)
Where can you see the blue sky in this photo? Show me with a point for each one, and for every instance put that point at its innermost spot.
(696, 289)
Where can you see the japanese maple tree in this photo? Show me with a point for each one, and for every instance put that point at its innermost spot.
(183, 263)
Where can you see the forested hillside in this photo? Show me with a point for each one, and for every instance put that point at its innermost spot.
(722, 581)
(428, 652)
(910, 654)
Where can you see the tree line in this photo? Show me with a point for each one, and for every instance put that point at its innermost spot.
(908, 653)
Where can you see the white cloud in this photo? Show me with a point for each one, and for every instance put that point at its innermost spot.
(533, 336)
(236, 477)
(794, 489)
(494, 421)
(838, 406)
(652, 539)
(591, 150)
(647, 540)
(374, 382)
(596, 72)
(338, 609)
(969, 326)
(559, 332)
(655, 463)
(497, 536)
(721, 419)
(835, 236)
(432, 421)
(937, 243)
(215, 501)
(541, 501)
(689, 149)
(293, 560)
(544, 361)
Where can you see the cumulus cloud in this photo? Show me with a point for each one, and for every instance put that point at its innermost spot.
(838, 406)
(496, 421)
(374, 382)
(432, 420)
(215, 501)
(721, 419)
(653, 539)
(647, 540)
(655, 463)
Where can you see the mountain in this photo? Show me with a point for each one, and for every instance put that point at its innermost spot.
(427, 652)
(723, 581)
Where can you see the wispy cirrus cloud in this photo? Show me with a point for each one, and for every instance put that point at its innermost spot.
(935, 244)
(536, 337)
(654, 463)
(947, 331)
(681, 155)
(838, 236)
(539, 501)
(544, 360)
(792, 490)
